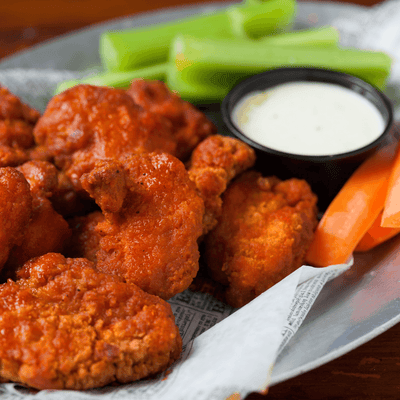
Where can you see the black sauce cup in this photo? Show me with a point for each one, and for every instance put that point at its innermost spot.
(328, 173)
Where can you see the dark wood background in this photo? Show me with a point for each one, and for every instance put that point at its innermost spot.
(24, 23)
(371, 371)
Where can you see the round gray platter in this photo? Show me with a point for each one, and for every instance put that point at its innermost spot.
(351, 309)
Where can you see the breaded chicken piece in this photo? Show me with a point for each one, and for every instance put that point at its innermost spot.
(16, 124)
(69, 202)
(262, 236)
(47, 231)
(15, 210)
(153, 219)
(85, 124)
(12, 108)
(213, 164)
(85, 239)
(65, 326)
(189, 125)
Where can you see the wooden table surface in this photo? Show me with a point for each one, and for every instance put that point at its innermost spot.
(371, 371)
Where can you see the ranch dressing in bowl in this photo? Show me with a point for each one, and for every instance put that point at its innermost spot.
(309, 123)
(309, 118)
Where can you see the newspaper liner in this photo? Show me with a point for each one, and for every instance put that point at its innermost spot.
(226, 351)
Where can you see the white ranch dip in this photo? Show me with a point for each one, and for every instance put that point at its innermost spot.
(309, 118)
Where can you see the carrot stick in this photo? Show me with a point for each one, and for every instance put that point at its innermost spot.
(353, 211)
(391, 211)
(376, 235)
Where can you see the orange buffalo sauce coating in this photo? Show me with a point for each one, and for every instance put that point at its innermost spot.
(66, 326)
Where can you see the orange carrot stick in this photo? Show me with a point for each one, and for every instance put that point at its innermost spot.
(352, 211)
(391, 211)
(376, 235)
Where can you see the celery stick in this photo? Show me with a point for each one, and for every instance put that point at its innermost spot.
(206, 60)
(254, 1)
(193, 91)
(254, 21)
(66, 85)
(325, 36)
(206, 92)
(118, 79)
(124, 50)
(131, 49)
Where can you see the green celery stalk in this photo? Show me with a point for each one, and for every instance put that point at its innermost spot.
(220, 61)
(118, 79)
(256, 20)
(254, 1)
(325, 36)
(66, 85)
(125, 50)
(195, 92)
(131, 49)
(206, 92)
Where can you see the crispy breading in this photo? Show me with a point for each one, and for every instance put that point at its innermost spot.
(16, 123)
(12, 108)
(153, 219)
(189, 125)
(85, 239)
(262, 236)
(47, 231)
(213, 164)
(15, 210)
(65, 326)
(67, 201)
(86, 123)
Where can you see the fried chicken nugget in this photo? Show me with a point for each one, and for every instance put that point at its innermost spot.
(262, 236)
(12, 108)
(65, 326)
(86, 123)
(85, 239)
(16, 124)
(47, 231)
(153, 219)
(189, 125)
(15, 210)
(213, 164)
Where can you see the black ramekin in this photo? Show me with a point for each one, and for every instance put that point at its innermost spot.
(326, 174)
